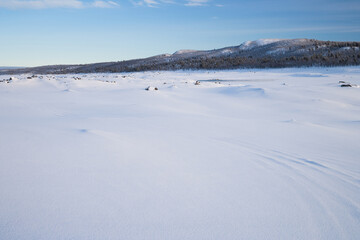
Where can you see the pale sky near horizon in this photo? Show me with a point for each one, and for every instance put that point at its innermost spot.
(44, 32)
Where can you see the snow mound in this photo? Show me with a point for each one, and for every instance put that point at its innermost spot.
(261, 42)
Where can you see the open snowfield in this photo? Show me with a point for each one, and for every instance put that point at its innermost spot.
(264, 154)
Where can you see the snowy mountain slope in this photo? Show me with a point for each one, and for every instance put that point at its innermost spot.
(263, 53)
(260, 154)
(261, 42)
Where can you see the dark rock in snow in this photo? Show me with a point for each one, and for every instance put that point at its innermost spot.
(348, 85)
(149, 88)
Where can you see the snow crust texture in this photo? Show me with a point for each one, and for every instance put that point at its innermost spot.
(261, 154)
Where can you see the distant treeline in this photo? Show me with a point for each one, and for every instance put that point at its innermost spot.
(287, 53)
(242, 62)
(321, 53)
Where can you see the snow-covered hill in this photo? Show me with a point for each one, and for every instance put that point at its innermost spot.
(261, 42)
(263, 53)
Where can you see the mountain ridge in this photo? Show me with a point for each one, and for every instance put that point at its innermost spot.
(262, 53)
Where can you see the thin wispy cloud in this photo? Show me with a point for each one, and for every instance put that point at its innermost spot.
(148, 3)
(43, 4)
(158, 3)
(196, 3)
(105, 4)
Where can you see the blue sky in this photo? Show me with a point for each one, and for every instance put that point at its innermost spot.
(43, 32)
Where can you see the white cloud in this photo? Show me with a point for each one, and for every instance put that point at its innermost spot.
(105, 4)
(156, 3)
(196, 3)
(148, 3)
(41, 4)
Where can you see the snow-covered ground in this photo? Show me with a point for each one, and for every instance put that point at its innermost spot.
(260, 154)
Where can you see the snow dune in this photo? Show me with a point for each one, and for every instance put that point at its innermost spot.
(260, 154)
